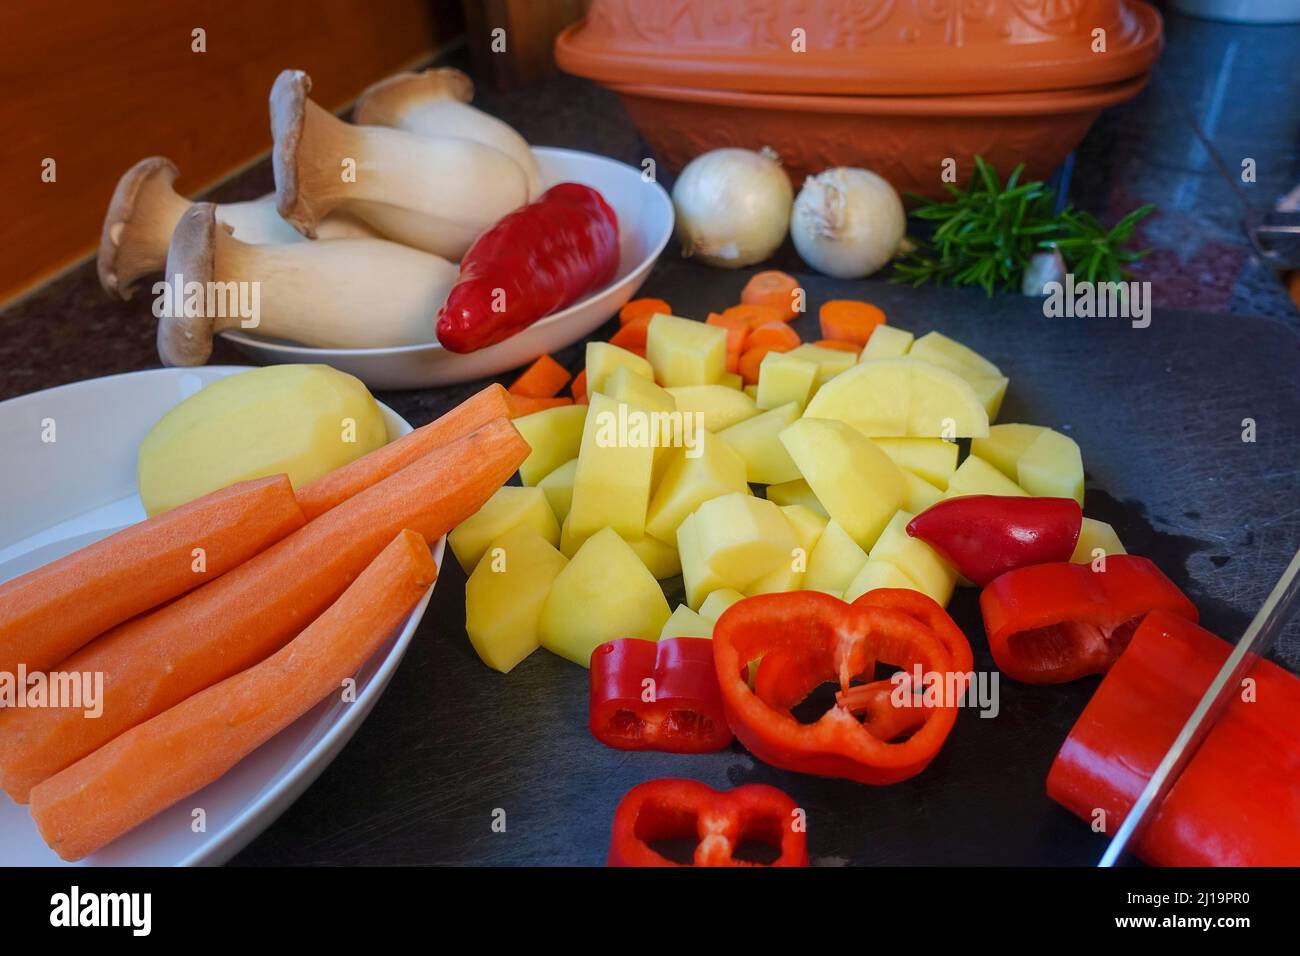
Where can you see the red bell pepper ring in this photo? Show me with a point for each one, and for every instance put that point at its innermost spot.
(1237, 802)
(874, 702)
(987, 535)
(1052, 623)
(806, 638)
(721, 821)
(535, 261)
(657, 695)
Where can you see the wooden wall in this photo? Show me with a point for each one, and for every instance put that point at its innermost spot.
(96, 85)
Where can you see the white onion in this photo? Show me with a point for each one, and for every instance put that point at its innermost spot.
(847, 222)
(733, 207)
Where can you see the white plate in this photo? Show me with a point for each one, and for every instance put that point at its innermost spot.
(80, 488)
(645, 221)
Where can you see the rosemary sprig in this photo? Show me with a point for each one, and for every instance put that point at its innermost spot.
(986, 235)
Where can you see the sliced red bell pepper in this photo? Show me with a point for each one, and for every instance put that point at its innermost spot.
(988, 535)
(1051, 623)
(875, 702)
(1237, 802)
(806, 638)
(657, 695)
(670, 809)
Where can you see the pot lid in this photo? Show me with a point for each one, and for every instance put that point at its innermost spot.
(880, 47)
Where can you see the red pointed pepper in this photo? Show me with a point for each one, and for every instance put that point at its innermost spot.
(806, 638)
(1051, 623)
(988, 535)
(657, 695)
(1237, 803)
(670, 809)
(535, 261)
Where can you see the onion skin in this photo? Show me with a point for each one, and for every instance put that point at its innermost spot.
(847, 222)
(733, 207)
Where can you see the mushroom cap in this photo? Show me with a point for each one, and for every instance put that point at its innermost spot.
(288, 103)
(187, 339)
(386, 102)
(116, 275)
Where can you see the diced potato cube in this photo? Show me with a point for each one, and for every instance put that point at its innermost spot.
(1004, 444)
(611, 488)
(887, 341)
(659, 558)
(698, 578)
(692, 477)
(554, 435)
(720, 405)
(835, 561)
(685, 352)
(731, 380)
(1096, 535)
(751, 390)
(920, 562)
(918, 494)
(782, 380)
(625, 385)
(718, 601)
(984, 377)
(797, 492)
(975, 476)
(686, 623)
(1052, 467)
(603, 593)
(829, 362)
(509, 507)
(504, 598)
(741, 538)
(758, 441)
(877, 574)
(932, 458)
(602, 359)
(856, 482)
(902, 397)
(807, 526)
(558, 488)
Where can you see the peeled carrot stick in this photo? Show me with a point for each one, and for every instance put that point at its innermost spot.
(543, 379)
(521, 405)
(342, 483)
(643, 307)
(154, 764)
(773, 288)
(849, 321)
(49, 613)
(153, 662)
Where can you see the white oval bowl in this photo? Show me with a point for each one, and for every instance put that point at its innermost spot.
(645, 222)
(82, 487)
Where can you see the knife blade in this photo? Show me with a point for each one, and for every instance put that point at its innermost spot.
(1257, 640)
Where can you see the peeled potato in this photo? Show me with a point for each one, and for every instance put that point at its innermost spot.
(299, 420)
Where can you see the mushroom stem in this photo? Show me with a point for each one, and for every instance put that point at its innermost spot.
(334, 293)
(433, 193)
(146, 207)
(435, 102)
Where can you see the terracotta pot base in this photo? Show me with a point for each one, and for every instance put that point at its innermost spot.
(905, 139)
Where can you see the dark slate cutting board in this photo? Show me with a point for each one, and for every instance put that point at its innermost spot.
(1158, 413)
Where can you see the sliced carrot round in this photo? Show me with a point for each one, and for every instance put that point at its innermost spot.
(639, 307)
(840, 344)
(773, 335)
(849, 321)
(754, 315)
(773, 288)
